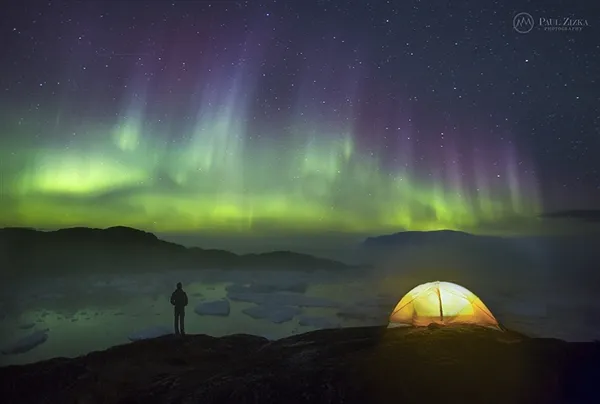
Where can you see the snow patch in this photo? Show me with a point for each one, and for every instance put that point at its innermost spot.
(213, 308)
(27, 343)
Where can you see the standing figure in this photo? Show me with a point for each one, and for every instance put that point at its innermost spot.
(179, 300)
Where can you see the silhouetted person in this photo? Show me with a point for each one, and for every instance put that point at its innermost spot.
(179, 300)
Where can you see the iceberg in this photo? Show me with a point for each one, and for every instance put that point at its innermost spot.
(213, 308)
(274, 314)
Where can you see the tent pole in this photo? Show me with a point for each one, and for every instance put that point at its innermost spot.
(440, 301)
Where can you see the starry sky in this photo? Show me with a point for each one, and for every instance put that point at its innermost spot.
(258, 116)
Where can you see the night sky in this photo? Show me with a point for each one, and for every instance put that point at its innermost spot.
(251, 116)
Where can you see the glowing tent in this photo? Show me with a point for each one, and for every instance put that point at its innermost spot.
(441, 303)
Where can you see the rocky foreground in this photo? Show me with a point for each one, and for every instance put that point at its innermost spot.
(353, 365)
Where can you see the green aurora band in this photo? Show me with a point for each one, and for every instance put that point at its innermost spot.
(219, 177)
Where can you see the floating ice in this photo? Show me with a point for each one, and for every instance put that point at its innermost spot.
(213, 308)
(27, 343)
(274, 314)
(151, 332)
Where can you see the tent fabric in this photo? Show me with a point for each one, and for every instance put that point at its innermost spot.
(441, 303)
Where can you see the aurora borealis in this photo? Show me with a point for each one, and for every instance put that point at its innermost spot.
(246, 117)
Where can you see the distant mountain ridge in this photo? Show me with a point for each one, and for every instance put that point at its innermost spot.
(405, 238)
(79, 250)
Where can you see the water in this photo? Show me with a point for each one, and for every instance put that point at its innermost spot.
(88, 313)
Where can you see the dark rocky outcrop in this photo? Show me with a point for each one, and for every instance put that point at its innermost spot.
(24, 252)
(352, 365)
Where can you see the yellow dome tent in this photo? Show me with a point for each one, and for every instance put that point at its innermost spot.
(441, 303)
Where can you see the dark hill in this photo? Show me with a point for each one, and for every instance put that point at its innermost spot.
(352, 366)
(24, 252)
